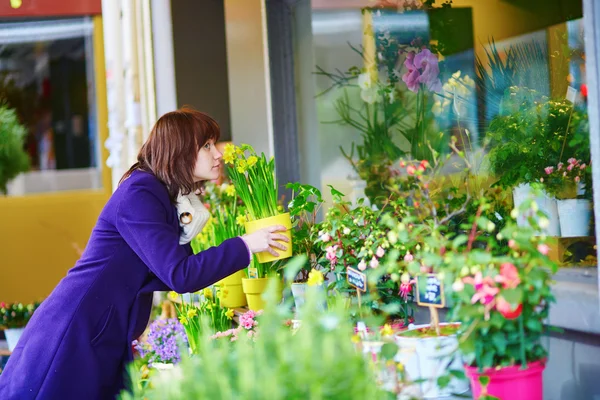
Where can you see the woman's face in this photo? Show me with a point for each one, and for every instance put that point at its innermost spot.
(208, 163)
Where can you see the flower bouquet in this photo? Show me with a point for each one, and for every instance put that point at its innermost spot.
(255, 183)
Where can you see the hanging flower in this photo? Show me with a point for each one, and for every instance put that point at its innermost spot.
(362, 265)
(549, 170)
(374, 263)
(331, 253)
(509, 276)
(507, 310)
(543, 248)
(408, 257)
(380, 252)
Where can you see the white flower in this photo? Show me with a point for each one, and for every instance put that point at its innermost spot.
(346, 231)
(458, 285)
(364, 81)
(544, 222)
(514, 213)
(491, 226)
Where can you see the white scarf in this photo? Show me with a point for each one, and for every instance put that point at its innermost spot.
(192, 216)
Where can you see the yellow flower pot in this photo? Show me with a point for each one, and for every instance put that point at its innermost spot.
(232, 293)
(281, 219)
(254, 288)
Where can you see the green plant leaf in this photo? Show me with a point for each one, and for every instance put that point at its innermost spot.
(389, 351)
(513, 296)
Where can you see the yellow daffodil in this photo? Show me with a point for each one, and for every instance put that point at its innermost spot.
(229, 153)
(172, 296)
(192, 313)
(239, 151)
(315, 278)
(230, 190)
(252, 160)
(209, 306)
(242, 166)
(387, 330)
(229, 313)
(208, 293)
(240, 220)
(183, 319)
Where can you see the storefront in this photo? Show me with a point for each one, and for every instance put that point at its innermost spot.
(52, 68)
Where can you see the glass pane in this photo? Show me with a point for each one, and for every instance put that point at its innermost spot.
(494, 87)
(46, 76)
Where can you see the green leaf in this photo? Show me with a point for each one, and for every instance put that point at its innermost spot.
(534, 325)
(294, 266)
(335, 192)
(458, 373)
(500, 342)
(443, 381)
(389, 351)
(480, 257)
(513, 296)
(484, 380)
(459, 241)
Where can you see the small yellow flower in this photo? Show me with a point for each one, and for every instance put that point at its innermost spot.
(242, 165)
(230, 190)
(387, 330)
(209, 306)
(239, 151)
(240, 220)
(355, 339)
(183, 319)
(252, 160)
(192, 313)
(208, 293)
(229, 313)
(315, 277)
(172, 296)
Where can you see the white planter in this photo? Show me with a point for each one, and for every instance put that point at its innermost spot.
(545, 203)
(427, 359)
(574, 217)
(12, 337)
(299, 291)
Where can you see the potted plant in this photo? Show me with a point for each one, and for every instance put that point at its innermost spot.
(254, 179)
(502, 295)
(13, 318)
(304, 209)
(530, 133)
(13, 157)
(226, 222)
(217, 316)
(569, 183)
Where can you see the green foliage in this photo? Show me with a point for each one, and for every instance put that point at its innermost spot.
(317, 360)
(533, 132)
(13, 157)
(16, 315)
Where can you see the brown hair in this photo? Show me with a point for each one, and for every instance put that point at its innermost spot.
(172, 148)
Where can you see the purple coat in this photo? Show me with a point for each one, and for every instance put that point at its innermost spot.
(78, 342)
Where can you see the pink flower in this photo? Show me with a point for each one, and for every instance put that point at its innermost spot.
(380, 252)
(509, 276)
(402, 164)
(582, 166)
(405, 289)
(326, 237)
(570, 167)
(485, 290)
(549, 170)
(362, 265)
(507, 310)
(542, 180)
(374, 263)
(544, 249)
(512, 244)
(577, 179)
(572, 161)
(408, 257)
(424, 164)
(331, 253)
(559, 166)
(423, 69)
(411, 170)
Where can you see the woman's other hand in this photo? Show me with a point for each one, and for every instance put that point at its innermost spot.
(267, 239)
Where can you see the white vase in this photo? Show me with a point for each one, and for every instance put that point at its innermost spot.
(12, 337)
(574, 215)
(546, 204)
(428, 358)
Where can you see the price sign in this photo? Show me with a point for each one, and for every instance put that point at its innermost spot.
(356, 279)
(430, 291)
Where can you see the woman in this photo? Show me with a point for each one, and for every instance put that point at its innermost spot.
(78, 342)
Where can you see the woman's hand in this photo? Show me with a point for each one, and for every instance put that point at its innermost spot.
(266, 240)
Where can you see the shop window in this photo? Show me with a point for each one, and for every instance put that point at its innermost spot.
(46, 75)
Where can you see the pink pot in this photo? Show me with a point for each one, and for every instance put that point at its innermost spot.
(510, 383)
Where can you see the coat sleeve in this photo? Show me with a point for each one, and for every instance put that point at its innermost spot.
(141, 219)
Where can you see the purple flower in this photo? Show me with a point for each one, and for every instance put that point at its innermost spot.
(423, 69)
(163, 341)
